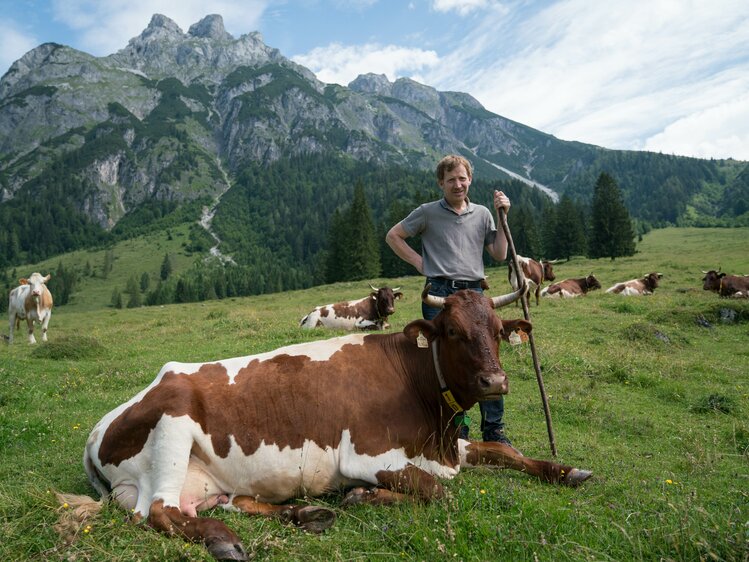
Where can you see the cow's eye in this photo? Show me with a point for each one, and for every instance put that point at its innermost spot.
(452, 333)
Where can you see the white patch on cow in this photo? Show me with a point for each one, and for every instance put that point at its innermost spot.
(564, 293)
(165, 470)
(321, 350)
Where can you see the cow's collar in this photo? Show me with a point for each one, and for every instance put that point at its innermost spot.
(461, 418)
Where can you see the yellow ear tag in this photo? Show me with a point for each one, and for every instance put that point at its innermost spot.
(421, 341)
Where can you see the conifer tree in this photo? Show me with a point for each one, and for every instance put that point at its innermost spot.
(524, 233)
(569, 232)
(353, 249)
(364, 257)
(166, 267)
(611, 233)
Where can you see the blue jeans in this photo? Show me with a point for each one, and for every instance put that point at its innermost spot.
(492, 411)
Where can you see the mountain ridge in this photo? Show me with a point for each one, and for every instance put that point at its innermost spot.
(163, 121)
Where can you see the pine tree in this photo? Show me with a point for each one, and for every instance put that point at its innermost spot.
(353, 248)
(524, 232)
(166, 267)
(570, 234)
(611, 233)
(133, 290)
(364, 258)
(145, 281)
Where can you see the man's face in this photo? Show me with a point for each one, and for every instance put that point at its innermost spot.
(455, 186)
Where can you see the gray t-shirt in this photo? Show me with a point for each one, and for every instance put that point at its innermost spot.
(452, 244)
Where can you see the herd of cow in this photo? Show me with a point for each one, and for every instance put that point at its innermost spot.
(372, 415)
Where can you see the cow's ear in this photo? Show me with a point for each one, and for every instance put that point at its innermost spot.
(509, 326)
(424, 328)
(721, 275)
(398, 295)
(373, 295)
(23, 281)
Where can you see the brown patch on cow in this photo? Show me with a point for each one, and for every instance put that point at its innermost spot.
(362, 309)
(282, 401)
(411, 481)
(324, 312)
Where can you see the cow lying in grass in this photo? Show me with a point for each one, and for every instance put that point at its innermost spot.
(372, 415)
(369, 313)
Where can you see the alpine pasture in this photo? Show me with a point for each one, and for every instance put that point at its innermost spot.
(650, 393)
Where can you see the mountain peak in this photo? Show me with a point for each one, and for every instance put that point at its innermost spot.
(159, 26)
(371, 83)
(210, 27)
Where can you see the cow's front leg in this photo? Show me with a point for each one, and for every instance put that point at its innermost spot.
(475, 453)
(220, 541)
(313, 519)
(395, 486)
(45, 324)
(30, 323)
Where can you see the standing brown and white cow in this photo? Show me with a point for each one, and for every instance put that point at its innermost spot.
(370, 413)
(369, 313)
(534, 272)
(637, 287)
(30, 301)
(570, 288)
(736, 286)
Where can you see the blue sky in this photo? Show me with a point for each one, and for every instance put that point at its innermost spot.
(669, 76)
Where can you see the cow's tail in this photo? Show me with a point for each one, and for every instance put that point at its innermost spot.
(75, 511)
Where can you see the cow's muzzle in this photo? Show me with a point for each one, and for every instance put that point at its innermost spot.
(493, 385)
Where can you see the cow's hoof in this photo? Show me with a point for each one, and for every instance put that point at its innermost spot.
(575, 477)
(315, 519)
(356, 496)
(226, 550)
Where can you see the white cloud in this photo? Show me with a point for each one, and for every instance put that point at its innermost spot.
(336, 64)
(106, 27)
(463, 7)
(720, 131)
(610, 74)
(13, 44)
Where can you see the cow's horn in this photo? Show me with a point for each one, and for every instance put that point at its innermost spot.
(703, 271)
(431, 300)
(396, 289)
(509, 298)
(373, 287)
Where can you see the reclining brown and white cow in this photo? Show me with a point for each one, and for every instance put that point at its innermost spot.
(372, 415)
(637, 287)
(735, 286)
(570, 288)
(30, 301)
(369, 313)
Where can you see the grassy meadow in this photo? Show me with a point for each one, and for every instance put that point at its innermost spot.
(651, 394)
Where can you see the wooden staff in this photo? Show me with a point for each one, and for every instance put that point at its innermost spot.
(531, 339)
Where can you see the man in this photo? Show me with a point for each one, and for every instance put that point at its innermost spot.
(454, 233)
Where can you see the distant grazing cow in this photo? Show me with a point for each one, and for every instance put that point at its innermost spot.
(736, 286)
(637, 287)
(369, 313)
(373, 414)
(571, 287)
(31, 301)
(534, 272)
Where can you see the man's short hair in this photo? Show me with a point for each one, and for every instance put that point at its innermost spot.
(451, 161)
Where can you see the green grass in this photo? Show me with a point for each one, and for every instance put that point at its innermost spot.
(652, 402)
